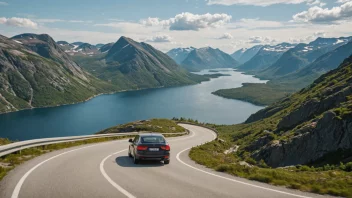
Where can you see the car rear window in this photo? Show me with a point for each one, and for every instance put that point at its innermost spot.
(153, 139)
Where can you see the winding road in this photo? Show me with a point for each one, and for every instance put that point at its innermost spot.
(105, 170)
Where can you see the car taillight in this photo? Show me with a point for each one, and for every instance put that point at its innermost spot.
(166, 147)
(142, 148)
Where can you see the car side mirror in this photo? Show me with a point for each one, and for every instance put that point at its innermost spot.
(130, 140)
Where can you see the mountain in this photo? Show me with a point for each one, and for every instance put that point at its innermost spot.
(106, 47)
(310, 127)
(302, 55)
(87, 49)
(77, 43)
(99, 45)
(265, 57)
(208, 58)
(133, 65)
(243, 55)
(180, 54)
(36, 72)
(65, 45)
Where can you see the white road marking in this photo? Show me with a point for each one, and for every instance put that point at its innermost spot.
(17, 189)
(233, 180)
(119, 188)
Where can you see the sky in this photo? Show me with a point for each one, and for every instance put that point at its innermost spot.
(225, 24)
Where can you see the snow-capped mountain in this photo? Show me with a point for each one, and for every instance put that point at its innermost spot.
(180, 54)
(266, 56)
(245, 54)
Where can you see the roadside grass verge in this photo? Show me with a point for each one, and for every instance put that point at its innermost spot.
(322, 180)
(334, 179)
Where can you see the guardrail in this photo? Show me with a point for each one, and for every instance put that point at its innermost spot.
(18, 146)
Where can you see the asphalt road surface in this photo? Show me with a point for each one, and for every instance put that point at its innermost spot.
(105, 170)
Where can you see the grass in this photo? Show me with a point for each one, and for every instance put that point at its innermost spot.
(334, 179)
(153, 125)
(256, 93)
(9, 162)
(334, 182)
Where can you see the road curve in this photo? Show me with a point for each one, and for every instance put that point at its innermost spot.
(104, 170)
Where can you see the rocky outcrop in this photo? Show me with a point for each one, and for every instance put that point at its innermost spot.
(330, 135)
(315, 107)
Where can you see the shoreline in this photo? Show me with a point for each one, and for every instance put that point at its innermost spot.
(121, 91)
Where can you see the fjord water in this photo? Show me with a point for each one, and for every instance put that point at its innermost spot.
(194, 101)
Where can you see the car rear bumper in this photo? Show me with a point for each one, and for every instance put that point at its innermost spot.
(153, 157)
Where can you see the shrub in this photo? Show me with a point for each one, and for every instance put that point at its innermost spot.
(348, 167)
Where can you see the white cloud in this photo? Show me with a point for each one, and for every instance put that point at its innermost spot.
(226, 36)
(343, 1)
(323, 15)
(160, 38)
(2, 3)
(48, 20)
(59, 20)
(189, 21)
(256, 24)
(260, 39)
(19, 22)
(261, 2)
(154, 22)
(308, 38)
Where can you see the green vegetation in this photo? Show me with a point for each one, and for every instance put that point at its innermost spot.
(4, 141)
(334, 179)
(259, 94)
(153, 125)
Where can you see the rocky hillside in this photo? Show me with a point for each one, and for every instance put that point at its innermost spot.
(302, 55)
(105, 48)
(36, 72)
(243, 55)
(208, 58)
(133, 65)
(311, 126)
(180, 54)
(266, 56)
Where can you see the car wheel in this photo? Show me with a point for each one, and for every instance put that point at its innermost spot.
(167, 162)
(129, 153)
(135, 161)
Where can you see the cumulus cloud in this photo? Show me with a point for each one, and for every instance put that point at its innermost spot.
(323, 15)
(189, 21)
(2, 3)
(19, 22)
(260, 39)
(260, 2)
(308, 38)
(160, 38)
(226, 36)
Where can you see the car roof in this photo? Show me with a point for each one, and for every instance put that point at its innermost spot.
(151, 134)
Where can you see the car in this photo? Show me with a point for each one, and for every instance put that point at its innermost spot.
(149, 146)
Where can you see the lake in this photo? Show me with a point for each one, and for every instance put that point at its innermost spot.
(194, 101)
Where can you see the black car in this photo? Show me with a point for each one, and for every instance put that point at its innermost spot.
(149, 147)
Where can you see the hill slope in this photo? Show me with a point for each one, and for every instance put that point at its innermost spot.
(244, 55)
(310, 126)
(266, 56)
(133, 65)
(208, 58)
(36, 72)
(302, 55)
(180, 54)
